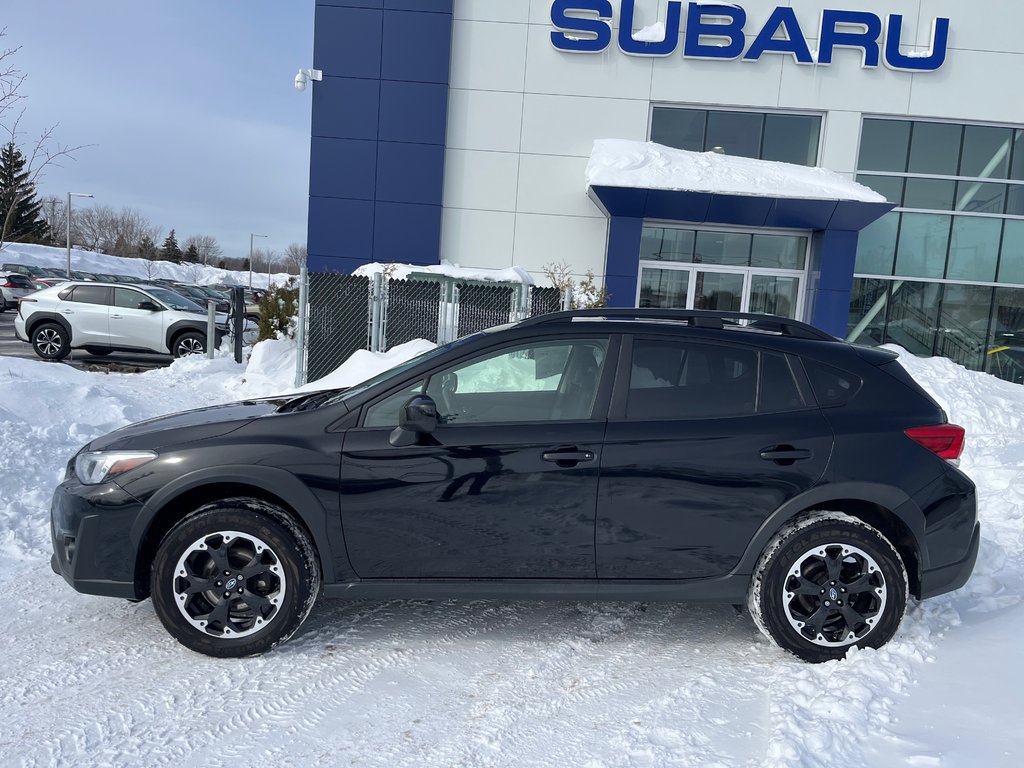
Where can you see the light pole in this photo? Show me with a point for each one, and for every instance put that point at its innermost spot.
(68, 223)
(251, 236)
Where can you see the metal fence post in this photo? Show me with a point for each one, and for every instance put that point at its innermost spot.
(300, 329)
(567, 297)
(375, 312)
(211, 327)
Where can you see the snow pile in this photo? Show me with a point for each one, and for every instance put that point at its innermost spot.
(447, 269)
(498, 683)
(654, 33)
(90, 261)
(646, 165)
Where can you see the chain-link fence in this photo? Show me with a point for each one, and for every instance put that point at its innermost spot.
(344, 313)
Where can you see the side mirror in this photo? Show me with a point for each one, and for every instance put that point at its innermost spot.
(417, 417)
(149, 306)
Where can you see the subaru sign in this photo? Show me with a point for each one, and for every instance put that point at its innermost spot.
(719, 31)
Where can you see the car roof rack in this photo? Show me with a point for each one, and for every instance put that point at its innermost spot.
(696, 318)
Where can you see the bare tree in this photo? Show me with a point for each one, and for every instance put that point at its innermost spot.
(206, 245)
(101, 228)
(41, 153)
(295, 256)
(53, 213)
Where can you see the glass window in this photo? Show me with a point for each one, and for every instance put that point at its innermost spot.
(772, 295)
(913, 316)
(722, 291)
(679, 128)
(868, 301)
(974, 248)
(963, 324)
(673, 379)
(923, 243)
(1017, 156)
(667, 244)
(730, 248)
(884, 145)
(986, 152)
(734, 133)
(977, 197)
(876, 246)
(128, 299)
(935, 148)
(791, 138)
(90, 294)
(890, 187)
(779, 391)
(664, 288)
(385, 413)
(1011, 254)
(778, 251)
(934, 194)
(1005, 354)
(831, 386)
(1015, 199)
(544, 381)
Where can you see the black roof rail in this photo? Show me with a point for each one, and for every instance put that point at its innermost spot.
(697, 318)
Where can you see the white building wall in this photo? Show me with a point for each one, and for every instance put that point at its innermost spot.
(522, 115)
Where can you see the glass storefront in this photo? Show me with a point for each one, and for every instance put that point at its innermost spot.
(943, 273)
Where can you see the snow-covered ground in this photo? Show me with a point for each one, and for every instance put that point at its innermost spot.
(94, 681)
(90, 261)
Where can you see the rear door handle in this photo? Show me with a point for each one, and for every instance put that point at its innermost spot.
(116, 317)
(785, 454)
(567, 457)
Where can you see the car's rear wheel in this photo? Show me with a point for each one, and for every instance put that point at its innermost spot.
(191, 343)
(825, 583)
(51, 341)
(235, 578)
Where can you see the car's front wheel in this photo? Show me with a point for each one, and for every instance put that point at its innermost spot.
(191, 343)
(51, 341)
(827, 582)
(235, 578)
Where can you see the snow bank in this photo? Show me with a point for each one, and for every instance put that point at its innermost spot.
(90, 261)
(646, 165)
(448, 269)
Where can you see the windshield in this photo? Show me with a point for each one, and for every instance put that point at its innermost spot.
(174, 300)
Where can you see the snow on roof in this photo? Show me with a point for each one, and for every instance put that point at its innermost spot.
(447, 269)
(646, 165)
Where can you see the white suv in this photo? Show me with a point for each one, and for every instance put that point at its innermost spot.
(104, 317)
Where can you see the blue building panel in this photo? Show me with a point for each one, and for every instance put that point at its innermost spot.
(433, 6)
(345, 227)
(416, 113)
(343, 168)
(347, 41)
(346, 108)
(409, 173)
(352, 3)
(417, 46)
(406, 232)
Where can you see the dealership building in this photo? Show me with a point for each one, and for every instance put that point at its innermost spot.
(462, 130)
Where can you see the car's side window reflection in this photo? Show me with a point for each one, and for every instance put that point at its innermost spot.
(540, 381)
(384, 413)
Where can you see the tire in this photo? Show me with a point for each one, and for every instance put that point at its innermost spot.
(270, 562)
(191, 343)
(800, 596)
(51, 341)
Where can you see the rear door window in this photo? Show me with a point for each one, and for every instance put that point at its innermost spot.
(779, 391)
(89, 294)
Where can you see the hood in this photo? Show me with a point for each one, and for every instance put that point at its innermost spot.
(187, 426)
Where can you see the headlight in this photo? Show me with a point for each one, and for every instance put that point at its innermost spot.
(97, 467)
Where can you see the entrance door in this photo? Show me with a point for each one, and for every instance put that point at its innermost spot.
(724, 289)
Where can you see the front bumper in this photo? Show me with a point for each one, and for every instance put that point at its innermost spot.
(90, 528)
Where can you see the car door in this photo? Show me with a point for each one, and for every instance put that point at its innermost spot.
(704, 442)
(85, 307)
(131, 326)
(504, 487)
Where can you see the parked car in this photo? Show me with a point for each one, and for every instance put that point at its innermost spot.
(40, 283)
(615, 454)
(104, 317)
(200, 297)
(13, 287)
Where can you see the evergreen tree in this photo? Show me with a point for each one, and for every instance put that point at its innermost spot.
(170, 250)
(20, 212)
(147, 248)
(191, 254)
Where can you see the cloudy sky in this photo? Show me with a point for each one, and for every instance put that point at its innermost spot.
(188, 106)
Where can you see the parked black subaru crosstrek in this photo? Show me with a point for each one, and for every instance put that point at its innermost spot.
(605, 454)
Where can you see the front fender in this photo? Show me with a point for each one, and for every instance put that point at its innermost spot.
(326, 532)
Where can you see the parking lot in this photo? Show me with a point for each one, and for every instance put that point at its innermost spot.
(120, 361)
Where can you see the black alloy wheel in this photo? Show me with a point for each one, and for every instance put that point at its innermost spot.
(828, 582)
(235, 578)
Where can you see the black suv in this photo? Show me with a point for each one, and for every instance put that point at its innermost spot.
(605, 454)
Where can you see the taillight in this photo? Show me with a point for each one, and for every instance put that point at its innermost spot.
(8, 285)
(944, 440)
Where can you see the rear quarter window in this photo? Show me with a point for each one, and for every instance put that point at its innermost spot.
(831, 386)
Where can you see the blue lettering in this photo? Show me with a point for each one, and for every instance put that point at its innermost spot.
(894, 59)
(832, 38)
(601, 30)
(627, 44)
(696, 28)
(784, 19)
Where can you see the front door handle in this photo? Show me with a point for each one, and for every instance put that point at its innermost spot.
(785, 455)
(567, 457)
